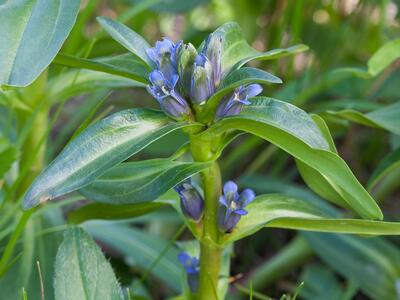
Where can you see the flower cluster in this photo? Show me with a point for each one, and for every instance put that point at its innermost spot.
(232, 206)
(192, 268)
(185, 78)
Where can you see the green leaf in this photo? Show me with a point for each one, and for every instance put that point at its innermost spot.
(140, 249)
(31, 34)
(320, 283)
(281, 211)
(82, 271)
(373, 263)
(120, 66)
(142, 181)
(8, 154)
(235, 79)
(97, 149)
(33, 248)
(387, 117)
(389, 164)
(382, 58)
(294, 131)
(127, 38)
(103, 211)
(236, 51)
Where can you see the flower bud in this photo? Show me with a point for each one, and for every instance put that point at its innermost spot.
(191, 201)
(186, 58)
(202, 84)
(163, 90)
(213, 51)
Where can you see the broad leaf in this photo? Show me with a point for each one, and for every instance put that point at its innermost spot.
(142, 181)
(373, 263)
(294, 131)
(281, 211)
(235, 79)
(97, 149)
(82, 271)
(236, 51)
(103, 211)
(382, 58)
(127, 38)
(387, 117)
(31, 34)
(140, 249)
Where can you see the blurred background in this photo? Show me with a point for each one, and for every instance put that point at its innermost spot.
(340, 34)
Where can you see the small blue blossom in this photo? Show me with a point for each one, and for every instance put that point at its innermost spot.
(192, 268)
(202, 84)
(163, 90)
(192, 202)
(233, 105)
(164, 54)
(232, 206)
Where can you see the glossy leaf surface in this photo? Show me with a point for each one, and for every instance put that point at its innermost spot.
(281, 211)
(142, 181)
(31, 34)
(97, 149)
(82, 271)
(294, 131)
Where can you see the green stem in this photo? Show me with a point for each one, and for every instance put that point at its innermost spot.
(210, 251)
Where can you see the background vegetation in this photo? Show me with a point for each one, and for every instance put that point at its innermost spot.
(336, 79)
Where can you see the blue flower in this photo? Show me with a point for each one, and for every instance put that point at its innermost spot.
(191, 201)
(163, 90)
(164, 55)
(213, 51)
(202, 84)
(232, 206)
(192, 268)
(233, 105)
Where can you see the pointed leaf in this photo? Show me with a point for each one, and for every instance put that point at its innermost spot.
(281, 211)
(387, 117)
(97, 149)
(120, 66)
(294, 131)
(389, 164)
(236, 51)
(101, 211)
(142, 181)
(127, 38)
(82, 271)
(31, 34)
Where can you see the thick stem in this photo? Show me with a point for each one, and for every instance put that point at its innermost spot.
(210, 252)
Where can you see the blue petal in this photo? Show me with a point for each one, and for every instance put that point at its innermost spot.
(247, 196)
(184, 258)
(240, 211)
(223, 202)
(253, 90)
